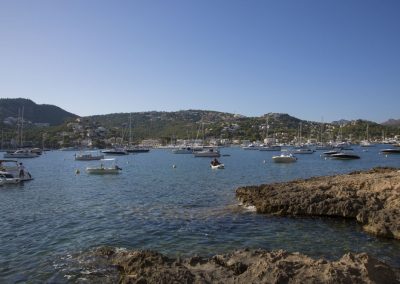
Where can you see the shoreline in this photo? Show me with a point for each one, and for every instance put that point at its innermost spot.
(239, 266)
(370, 197)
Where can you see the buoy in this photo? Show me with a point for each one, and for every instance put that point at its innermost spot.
(77, 171)
(264, 161)
(174, 166)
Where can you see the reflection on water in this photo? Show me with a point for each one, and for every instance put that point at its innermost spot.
(51, 223)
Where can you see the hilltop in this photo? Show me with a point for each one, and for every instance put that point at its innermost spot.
(42, 114)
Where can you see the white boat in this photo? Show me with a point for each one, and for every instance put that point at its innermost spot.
(207, 153)
(88, 156)
(390, 151)
(366, 143)
(183, 150)
(284, 158)
(344, 156)
(216, 167)
(115, 151)
(7, 178)
(104, 170)
(251, 147)
(17, 170)
(270, 148)
(303, 151)
(21, 154)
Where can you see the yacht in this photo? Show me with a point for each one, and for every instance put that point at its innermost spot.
(270, 148)
(115, 151)
(303, 151)
(21, 154)
(390, 151)
(207, 153)
(137, 149)
(284, 158)
(344, 156)
(88, 156)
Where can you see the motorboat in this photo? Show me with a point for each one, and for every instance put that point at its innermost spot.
(137, 149)
(115, 151)
(344, 156)
(251, 147)
(329, 153)
(103, 169)
(270, 148)
(217, 167)
(284, 158)
(183, 150)
(390, 151)
(209, 153)
(17, 170)
(7, 178)
(21, 154)
(88, 156)
(303, 151)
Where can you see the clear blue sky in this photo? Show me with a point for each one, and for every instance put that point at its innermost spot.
(312, 59)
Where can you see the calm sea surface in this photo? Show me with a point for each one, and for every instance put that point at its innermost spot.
(47, 223)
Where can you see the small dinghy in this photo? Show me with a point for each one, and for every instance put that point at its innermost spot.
(217, 167)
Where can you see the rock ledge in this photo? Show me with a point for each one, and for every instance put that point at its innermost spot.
(371, 197)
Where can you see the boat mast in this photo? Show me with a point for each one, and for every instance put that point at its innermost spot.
(130, 128)
(22, 127)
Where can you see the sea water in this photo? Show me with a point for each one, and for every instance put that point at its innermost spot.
(179, 211)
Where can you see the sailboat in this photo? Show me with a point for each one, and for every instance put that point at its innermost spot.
(21, 153)
(269, 146)
(134, 148)
(366, 143)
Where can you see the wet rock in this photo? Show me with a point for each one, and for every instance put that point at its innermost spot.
(371, 197)
(250, 266)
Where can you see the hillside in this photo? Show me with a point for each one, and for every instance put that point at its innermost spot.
(392, 122)
(33, 112)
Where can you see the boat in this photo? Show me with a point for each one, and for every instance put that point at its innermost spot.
(17, 170)
(88, 156)
(303, 151)
(104, 170)
(7, 178)
(183, 150)
(270, 148)
(216, 167)
(251, 147)
(21, 154)
(329, 153)
(137, 149)
(366, 142)
(390, 151)
(209, 153)
(344, 156)
(115, 151)
(284, 158)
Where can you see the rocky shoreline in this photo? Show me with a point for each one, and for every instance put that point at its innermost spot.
(245, 266)
(371, 197)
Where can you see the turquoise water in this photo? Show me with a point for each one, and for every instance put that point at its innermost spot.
(186, 210)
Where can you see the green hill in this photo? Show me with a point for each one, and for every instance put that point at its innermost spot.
(33, 112)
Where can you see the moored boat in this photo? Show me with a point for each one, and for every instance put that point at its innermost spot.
(115, 151)
(284, 158)
(88, 156)
(15, 169)
(344, 156)
(21, 154)
(207, 153)
(390, 151)
(104, 170)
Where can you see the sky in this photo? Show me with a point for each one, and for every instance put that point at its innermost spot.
(319, 60)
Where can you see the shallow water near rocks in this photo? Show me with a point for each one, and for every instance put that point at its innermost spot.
(48, 224)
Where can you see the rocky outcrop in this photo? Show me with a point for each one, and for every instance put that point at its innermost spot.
(247, 266)
(371, 197)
